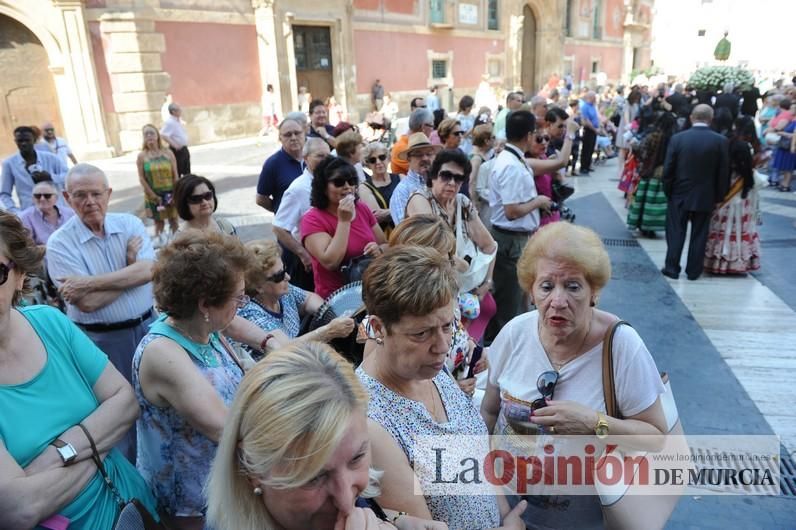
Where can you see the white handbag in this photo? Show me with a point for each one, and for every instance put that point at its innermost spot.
(465, 248)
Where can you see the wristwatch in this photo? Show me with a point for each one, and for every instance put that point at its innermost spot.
(65, 450)
(601, 429)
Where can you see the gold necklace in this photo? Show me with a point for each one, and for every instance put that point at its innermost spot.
(559, 365)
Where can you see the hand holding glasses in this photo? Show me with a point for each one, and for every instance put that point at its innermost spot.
(518, 412)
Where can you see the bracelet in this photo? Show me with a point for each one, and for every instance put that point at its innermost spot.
(392, 521)
(264, 343)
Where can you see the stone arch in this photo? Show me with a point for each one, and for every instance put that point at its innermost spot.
(61, 29)
(24, 13)
(548, 40)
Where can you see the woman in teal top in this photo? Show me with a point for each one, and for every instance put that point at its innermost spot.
(52, 378)
(184, 374)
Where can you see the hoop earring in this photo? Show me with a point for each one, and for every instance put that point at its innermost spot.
(380, 341)
(593, 303)
(258, 491)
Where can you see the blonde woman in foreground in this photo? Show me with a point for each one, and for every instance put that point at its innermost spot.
(295, 452)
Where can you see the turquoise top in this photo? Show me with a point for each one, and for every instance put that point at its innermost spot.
(56, 399)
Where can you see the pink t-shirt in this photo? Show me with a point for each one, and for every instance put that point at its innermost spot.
(361, 233)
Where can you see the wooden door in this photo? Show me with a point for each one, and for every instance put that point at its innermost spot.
(27, 90)
(313, 50)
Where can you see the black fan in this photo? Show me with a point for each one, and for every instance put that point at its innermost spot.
(347, 299)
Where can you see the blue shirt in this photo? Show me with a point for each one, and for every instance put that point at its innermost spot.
(278, 172)
(73, 250)
(403, 191)
(588, 111)
(16, 175)
(288, 321)
(58, 147)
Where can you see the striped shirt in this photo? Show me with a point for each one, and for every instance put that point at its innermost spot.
(403, 191)
(73, 250)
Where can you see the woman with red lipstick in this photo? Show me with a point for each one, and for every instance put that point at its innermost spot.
(559, 345)
(338, 227)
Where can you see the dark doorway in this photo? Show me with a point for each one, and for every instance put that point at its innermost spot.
(313, 50)
(27, 90)
(529, 52)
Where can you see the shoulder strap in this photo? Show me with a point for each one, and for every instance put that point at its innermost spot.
(377, 194)
(101, 466)
(609, 388)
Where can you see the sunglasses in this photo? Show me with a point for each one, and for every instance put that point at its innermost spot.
(339, 182)
(5, 268)
(197, 199)
(546, 385)
(447, 176)
(47, 196)
(542, 139)
(277, 277)
(458, 133)
(372, 160)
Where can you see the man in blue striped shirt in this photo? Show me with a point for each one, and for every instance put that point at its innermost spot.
(102, 264)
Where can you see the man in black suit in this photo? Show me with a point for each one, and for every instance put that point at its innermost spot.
(729, 100)
(681, 105)
(695, 178)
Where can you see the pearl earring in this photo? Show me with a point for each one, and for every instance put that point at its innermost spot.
(207, 317)
(258, 491)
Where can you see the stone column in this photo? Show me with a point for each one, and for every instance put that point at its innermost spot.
(77, 87)
(267, 50)
(137, 77)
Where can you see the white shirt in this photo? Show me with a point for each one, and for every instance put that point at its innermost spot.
(517, 358)
(511, 182)
(174, 129)
(295, 203)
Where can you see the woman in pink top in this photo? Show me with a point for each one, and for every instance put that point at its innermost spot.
(338, 227)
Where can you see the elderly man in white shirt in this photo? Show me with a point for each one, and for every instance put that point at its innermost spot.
(174, 133)
(515, 206)
(295, 203)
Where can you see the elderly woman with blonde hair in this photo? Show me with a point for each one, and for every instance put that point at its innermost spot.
(295, 452)
(276, 306)
(563, 269)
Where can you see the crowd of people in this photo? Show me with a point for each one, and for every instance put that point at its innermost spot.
(182, 372)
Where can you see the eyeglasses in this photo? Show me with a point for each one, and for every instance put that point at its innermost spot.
(447, 176)
(291, 134)
(277, 277)
(339, 182)
(372, 160)
(542, 139)
(83, 196)
(458, 133)
(47, 196)
(428, 125)
(198, 199)
(5, 268)
(546, 385)
(242, 299)
(49, 130)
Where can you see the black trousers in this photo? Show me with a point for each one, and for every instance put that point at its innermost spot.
(587, 149)
(183, 157)
(299, 276)
(677, 219)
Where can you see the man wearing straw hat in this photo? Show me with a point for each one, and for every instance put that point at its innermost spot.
(420, 153)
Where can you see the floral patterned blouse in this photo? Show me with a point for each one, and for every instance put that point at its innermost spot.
(405, 419)
(173, 457)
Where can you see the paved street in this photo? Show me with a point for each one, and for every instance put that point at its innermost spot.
(727, 343)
